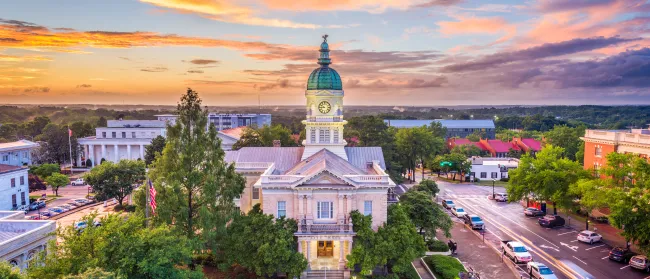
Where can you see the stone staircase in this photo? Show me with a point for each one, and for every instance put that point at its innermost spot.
(322, 274)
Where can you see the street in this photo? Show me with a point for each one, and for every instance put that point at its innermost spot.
(557, 248)
(66, 194)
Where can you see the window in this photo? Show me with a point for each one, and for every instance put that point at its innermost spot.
(494, 175)
(484, 175)
(22, 198)
(312, 135)
(324, 136)
(103, 134)
(133, 135)
(114, 134)
(282, 209)
(336, 135)
(599, 151)
(367, 208)
(22, 180)
(325, 210)
(256, 193)
(13, 182)
(5, 157)
(13, 200)
(123, 135)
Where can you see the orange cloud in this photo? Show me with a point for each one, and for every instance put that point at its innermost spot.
(474, 25)
(14, 58)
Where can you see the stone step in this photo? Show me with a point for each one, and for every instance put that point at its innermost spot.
(320, 274)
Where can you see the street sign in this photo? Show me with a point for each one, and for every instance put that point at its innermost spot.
(446, 163)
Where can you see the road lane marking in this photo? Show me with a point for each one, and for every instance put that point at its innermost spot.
(573, 240)
(566, 233)
(595, 247)
(574, 248)
(625, 266)
(549, 247)
(569, 272)
(580, 260)
(605, 257)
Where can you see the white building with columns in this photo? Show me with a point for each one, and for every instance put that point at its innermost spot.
(21, 240)
(121, 139)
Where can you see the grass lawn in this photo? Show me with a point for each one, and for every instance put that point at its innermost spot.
(489, 183)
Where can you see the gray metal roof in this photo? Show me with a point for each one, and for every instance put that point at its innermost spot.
(447, 123)
(360, 156)
(325, 160)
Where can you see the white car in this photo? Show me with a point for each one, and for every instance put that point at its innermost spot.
(539, 271)
(458, 212)
(516, 251)
(589, 237)
(79, 182)
(501, 197)
(81, 201)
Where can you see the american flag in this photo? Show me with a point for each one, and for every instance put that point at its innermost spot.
(152, 197)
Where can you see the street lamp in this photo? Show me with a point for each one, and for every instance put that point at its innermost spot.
(493, 181)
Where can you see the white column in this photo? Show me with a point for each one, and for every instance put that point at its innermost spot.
(117, 157)
(300, 246)
(310, 207)
(317, 135)
(308, 243)
(142, 152)
(103, 152)
(91, 155)
(341, 254)
(339, 208)
(301, 206)
(78, 158)
(128, 151)
(331, 135)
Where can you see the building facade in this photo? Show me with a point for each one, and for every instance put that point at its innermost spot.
(491, 168)
(17, 153)
(321, 183)
(21, 240)
(14, 187)
(455, 128)
(599, 143)
(223, 121)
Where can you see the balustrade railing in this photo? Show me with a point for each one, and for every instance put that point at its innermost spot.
(307, 227)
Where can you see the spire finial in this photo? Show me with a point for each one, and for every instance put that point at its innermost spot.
(325, 38)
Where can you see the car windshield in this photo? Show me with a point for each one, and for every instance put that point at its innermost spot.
(617, 251)
(476, 218)
(545, 271)
(449, 202)
(460, 210)
(584, 234)
(520, 249)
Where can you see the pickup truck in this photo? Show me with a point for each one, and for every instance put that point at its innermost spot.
(516, 251)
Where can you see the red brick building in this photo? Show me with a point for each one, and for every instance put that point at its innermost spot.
(599, 143)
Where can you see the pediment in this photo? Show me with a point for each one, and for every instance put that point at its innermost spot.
(325, 178)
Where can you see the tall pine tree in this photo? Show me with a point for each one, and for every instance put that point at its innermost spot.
(195, 186)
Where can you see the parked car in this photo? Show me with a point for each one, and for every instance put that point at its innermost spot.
(67, 207)
(33, 217)
(74, 203)
(81, 201)
(80, 225)
(36, 205)
(458, 211)
(551, 221)
(79, 182)
(539, 271)
(448, 204)
(589, 237)
(621, 254)
(57, 210)
(501, 197)
(474, 221)
(47, 214)
(516, 251)
(640, 262)
(531, 211)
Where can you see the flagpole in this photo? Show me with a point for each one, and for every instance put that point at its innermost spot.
(146, 206)
(70, 146)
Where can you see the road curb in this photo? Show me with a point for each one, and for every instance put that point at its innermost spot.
(427, 267)
(74, 210)
(508, 263)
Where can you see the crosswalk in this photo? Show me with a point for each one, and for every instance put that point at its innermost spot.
(461, 196)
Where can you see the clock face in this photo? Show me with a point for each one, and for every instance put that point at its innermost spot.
(324, 107)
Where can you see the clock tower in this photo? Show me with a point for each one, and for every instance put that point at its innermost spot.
(324, 121)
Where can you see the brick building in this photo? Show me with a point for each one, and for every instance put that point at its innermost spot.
(599, 143)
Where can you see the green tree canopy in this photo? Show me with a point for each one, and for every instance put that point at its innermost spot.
(122, 246)
(265, 136)
(428, 186)
(82, 129)
(566, 137)
(9, 272)
(468, 150)
(426, 215)
(196, 188)
(56, 145)
(116, 180)
(263, 244)
(56, 181)
(94, 273)
(417, 144)
(45, 170)
(154, 149)
(547, 177)
(476, 136)
(370, 130)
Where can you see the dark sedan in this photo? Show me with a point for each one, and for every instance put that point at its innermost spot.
(621, 254)
(551, 221)
(531, 211)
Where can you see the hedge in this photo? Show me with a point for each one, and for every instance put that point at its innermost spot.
(445, 266)
(437, 246)
(409, 273)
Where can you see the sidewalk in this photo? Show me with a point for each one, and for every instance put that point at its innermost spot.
(472, 252)
(611, 235)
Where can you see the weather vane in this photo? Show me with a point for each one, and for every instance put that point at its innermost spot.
(325, 37)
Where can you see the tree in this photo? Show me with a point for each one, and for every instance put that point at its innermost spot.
(56, 145)
(154, 149)
(454, 162)
(9, 272)
(469, 150)
(101, 122)
(122, 246)
(56, 181)
(371, 130)
(196, 188)
(45, 170)
(513, 153)
(549, 176)
(476, 136)
(417, 144)
(567, 138)
(363, 253)
(265, 136)
(438, 130)
(94, 273)
(425, 214)
(116, 180)
(263, 244)
(591, 195)
(428, 186)
(398, 241)
(82, 129)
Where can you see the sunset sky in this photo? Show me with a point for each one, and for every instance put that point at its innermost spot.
(406, 52)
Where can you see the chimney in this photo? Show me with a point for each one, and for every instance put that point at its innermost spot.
(276, 143)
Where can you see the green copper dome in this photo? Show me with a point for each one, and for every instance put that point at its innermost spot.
(324, 77)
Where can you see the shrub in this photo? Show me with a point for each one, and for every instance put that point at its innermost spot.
(446, 267)
(409, 273)
(435, 245)
(476, 179)
(88, 163)
(505, 179)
